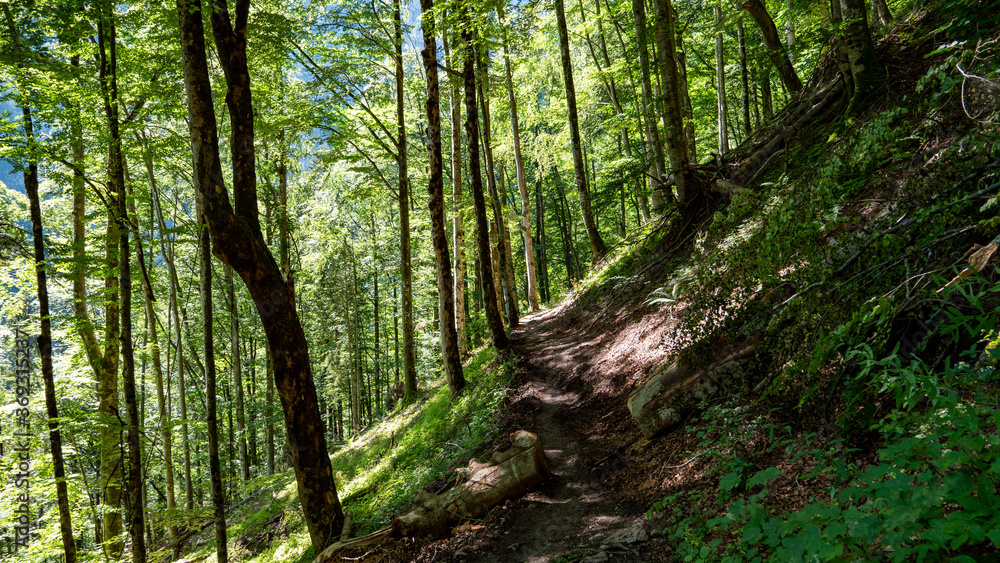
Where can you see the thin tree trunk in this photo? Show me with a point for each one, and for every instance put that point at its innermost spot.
(790, 30)
(744, 78)
(766, 101)
(493, 321)
(211, 414)
(234, 341)
(720, 86)
(866, 70)
(654, 149)
(522, 186)
(435, 188)
(507, 294)
(458, 228)
(597, 246)
(44, 340)
(687, 111)
(409, 348)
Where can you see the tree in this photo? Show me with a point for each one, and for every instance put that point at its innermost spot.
(497, 334)
(435, 188)
(239, 243)
(44, 340)
(772, 41)
(597, 246)
(522, 183)
(867, 73)
(720, 85)
(666, 52)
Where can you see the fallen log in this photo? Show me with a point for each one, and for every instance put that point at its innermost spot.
(479, 487)
(664, 400)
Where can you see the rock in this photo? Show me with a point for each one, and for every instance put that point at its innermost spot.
(636, 533)
(598, 557)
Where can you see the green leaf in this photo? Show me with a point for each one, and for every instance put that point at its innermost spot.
(762, 477)
(730, 481)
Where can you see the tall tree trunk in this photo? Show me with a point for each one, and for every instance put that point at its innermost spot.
(107, 384)
(435, 188)
(458, 229)
(667, 53)
(522, 185)
(161, 403)
(597, 246)
(44, 340)
(497, 335)
(409, 348)
(168, 256)
(211, 414)
(238, 242)
(687, 111)
(234, 342)
(744, 78)
(654, 149)
(507, 294)
(766, 101)
(720, 85)
(772, 42)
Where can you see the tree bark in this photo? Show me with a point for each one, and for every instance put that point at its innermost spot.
(866, 70)
(44, 340)
(507, 294)
(597, 246)
(211, 414)
(522, 185)
(458, 228)
(435, 188)
(409, 348)
(666, 51)
(744, 78)
(720, 85)
(107, 384)
(238, 242)
(654, 149)
(772, 41)
(497, 335)
(687, 111)
(234, 343)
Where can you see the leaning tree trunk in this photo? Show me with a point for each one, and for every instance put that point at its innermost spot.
(435, 188)
(493, 320)
(772, 41)
(597, 246)
(238, 242)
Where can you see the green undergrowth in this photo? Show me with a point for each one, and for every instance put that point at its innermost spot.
(378, 471)
(866, 428)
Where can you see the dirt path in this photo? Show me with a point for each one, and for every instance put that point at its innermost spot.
(580, 513)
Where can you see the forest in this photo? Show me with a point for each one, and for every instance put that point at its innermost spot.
(702, 280)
